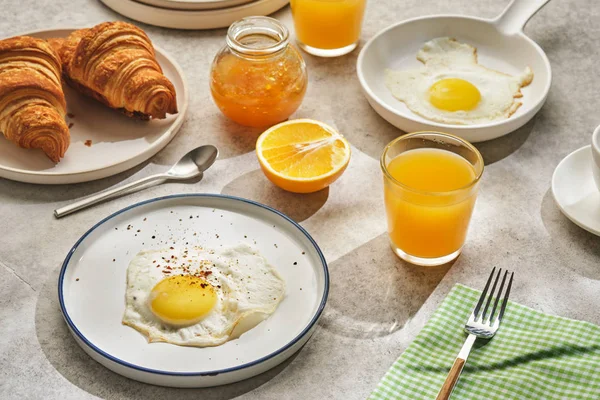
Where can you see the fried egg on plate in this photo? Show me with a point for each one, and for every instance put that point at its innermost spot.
(453, 88)
(200, 297)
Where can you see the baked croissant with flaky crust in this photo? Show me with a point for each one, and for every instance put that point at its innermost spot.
(32, 102)
(114, 62)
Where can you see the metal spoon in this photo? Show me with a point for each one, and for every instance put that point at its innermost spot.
(192, 165)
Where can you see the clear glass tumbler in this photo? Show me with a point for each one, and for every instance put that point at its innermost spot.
(328, 28)
(430, 187)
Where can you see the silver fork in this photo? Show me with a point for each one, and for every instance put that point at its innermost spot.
(479, 325)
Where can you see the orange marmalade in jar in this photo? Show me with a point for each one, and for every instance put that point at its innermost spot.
(258, 79)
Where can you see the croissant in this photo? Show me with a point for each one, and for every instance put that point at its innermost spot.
(114, 62)
(32, 102)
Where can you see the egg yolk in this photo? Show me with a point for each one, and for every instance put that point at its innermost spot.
(182, 299)
(453, 94)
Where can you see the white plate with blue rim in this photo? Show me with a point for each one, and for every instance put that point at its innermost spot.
(91, 288)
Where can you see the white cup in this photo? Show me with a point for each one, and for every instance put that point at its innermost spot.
(596, 156)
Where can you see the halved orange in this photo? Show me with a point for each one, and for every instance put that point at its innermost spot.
(302, 155)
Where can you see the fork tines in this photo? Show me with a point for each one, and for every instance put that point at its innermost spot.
(491, 295)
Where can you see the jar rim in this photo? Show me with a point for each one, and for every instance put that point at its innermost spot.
(260, 25)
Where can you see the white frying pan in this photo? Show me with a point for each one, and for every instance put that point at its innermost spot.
(501, 45)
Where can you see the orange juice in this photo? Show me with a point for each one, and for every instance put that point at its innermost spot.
(328, 24)
(429, 201)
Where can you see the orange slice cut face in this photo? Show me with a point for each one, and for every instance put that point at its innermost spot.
(303, 155)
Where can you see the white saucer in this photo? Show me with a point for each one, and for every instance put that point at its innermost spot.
(194, 4)
(117, 142)
(192, 19)
(91, 288)
(575, 191)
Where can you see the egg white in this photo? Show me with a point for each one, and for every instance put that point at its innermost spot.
(248, 288)
(447, 58)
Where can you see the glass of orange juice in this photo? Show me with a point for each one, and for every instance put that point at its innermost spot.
(328, 28)
(430, 187)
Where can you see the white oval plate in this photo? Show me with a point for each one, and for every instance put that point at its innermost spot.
(195, 4)
(118, 142)
(575, 191)
(91, 288)
(501, 45)
(190, 19)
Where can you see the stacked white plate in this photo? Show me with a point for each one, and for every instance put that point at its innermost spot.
(193, 14)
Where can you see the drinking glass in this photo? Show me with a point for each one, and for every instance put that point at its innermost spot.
(328, 28)
(429, 226)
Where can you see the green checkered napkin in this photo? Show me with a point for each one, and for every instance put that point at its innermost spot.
(533, 356)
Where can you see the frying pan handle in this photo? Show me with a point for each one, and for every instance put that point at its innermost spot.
(516, 14)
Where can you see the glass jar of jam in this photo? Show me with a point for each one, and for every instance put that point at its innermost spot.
(258, 79)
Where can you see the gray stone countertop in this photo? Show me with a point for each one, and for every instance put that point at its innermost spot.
(377, 303)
